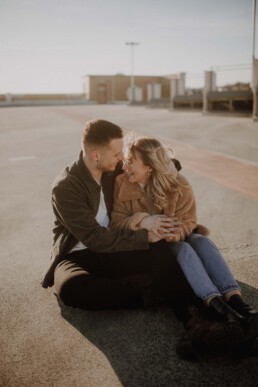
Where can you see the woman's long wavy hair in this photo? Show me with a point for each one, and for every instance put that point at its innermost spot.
(163, 178)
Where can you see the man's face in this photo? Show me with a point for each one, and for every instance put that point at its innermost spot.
(110, 155)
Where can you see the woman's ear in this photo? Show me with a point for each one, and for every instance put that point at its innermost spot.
(149, 171)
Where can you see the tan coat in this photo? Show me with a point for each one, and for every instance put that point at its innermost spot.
(131, 205)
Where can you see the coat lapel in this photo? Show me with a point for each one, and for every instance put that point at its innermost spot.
(129, 191)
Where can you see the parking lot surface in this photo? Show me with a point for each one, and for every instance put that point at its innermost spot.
(44, 344)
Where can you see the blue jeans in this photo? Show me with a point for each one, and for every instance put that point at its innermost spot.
(204, 267)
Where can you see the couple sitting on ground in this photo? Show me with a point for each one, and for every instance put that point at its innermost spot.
(132, 240)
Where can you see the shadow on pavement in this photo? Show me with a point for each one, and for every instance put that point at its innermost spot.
(140, 347)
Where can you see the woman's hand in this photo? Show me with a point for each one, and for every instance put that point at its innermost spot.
(169, 236)
(160, 225)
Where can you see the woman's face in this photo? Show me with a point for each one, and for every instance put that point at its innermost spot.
(136, 171)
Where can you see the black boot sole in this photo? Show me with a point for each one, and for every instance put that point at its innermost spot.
(250, 328)
(221, 339)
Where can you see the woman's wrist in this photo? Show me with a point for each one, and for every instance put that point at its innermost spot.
(144, 223)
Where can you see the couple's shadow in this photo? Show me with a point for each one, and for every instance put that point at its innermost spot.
(140, 347)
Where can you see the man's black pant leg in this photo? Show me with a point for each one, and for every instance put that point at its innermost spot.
(94, 281)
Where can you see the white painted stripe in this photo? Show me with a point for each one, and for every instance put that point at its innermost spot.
(21, 158)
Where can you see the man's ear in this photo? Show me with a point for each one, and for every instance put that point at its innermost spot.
(94, 155)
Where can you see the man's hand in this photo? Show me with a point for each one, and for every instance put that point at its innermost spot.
(153, 238)
(172, 234)
(173, 237)
(160, 225)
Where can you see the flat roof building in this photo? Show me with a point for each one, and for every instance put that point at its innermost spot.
(116, 88)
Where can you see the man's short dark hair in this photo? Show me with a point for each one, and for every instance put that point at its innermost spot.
(100, 132)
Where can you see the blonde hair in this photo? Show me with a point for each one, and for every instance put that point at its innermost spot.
(163, 178)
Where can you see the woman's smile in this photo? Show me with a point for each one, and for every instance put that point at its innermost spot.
(135, 169)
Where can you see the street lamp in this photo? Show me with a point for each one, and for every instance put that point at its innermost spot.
(255, 69)
(132, 44)
(254, 26)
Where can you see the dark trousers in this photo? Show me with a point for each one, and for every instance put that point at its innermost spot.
(93, 281)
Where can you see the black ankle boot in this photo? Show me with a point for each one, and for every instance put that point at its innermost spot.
(223, 311)
(203, 336)
(237, 303)
(249, 315)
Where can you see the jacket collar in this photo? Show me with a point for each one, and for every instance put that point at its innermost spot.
(87, 176)
(129, 191)
(85, 173)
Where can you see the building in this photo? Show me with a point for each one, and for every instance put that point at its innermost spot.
(231, 98)
(105, 89)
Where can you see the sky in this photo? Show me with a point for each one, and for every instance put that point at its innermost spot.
(46, 46)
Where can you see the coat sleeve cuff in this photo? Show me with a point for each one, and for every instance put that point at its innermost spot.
(136, 220)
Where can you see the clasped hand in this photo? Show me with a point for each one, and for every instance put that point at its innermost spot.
(161, 227)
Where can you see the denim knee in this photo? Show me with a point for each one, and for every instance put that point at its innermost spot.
(198, 240)
(176, 247)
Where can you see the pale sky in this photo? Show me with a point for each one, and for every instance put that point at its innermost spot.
(46, 46)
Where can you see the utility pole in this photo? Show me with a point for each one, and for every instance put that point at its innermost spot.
(254, 26)
(132, 44)
(255, 69)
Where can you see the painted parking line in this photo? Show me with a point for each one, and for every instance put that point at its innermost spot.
(21, 158)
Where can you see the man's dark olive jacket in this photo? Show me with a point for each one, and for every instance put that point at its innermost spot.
(75, 201)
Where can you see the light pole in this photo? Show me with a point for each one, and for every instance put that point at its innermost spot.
(255, 69)
(254, 26)
(132, 44)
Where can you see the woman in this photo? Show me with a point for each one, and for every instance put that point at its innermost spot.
(152, 187)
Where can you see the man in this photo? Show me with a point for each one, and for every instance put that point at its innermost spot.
(93, 267)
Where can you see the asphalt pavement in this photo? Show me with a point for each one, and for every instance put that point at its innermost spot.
(44, 344)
